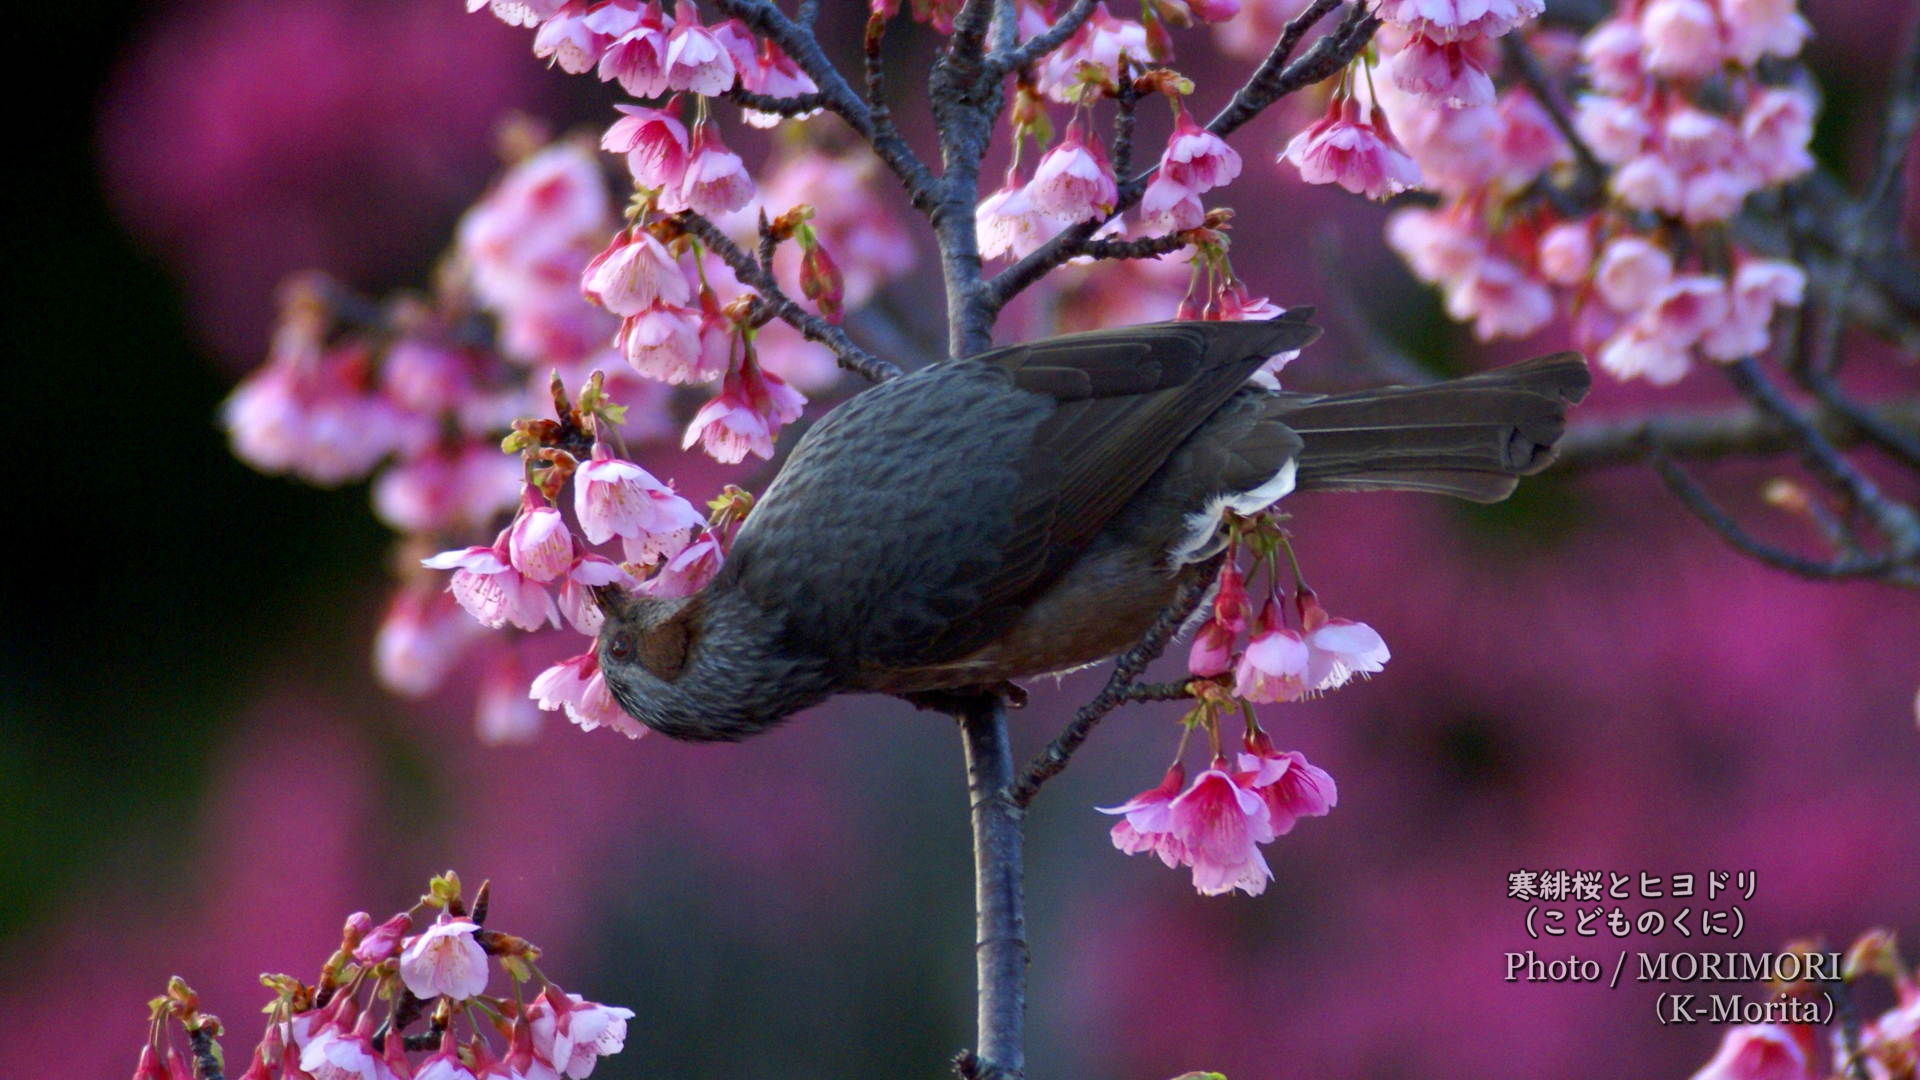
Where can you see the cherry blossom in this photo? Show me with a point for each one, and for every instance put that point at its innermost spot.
(695, 59)
(687, 571)
(633, 273)
(1354, 149)
(1196, 158)
(445, 960)
(539, 544)
(1337, 649)
(488, 586)
(1074, 181)
(568, 41)
(571, 1034)
(1451, 73)
(716, 180)
(1148, 821)
(637, 59)
(1010, 224)
(1274, 664)
(420, 638)
(1757, 1052)
(1291, 786)
(577, 686)
(613, 497)
(752, 407)
(1220, 822)
(1454, 20)
(655, 143)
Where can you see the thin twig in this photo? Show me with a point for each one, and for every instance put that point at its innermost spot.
(1903, 443)
(1896, 521)
(1707, 436)
(1695, 498)
(813, 327)
(1275, 78)
(1049, 762)
(797, 105)
(1004, 60)
(1593, 174)
(1896, 138)
(1145, 247)
(797, 40)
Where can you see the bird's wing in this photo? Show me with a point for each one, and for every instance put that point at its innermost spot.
(1126, 400)
(946, 501)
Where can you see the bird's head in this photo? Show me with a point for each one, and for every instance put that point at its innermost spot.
(646, 643)
(707, 667)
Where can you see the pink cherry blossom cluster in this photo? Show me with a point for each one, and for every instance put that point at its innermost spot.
(1216, 824)
(1436, 85)
(1277, 662)
(352, 1022)
(419, 391)
(1683, 127)
(1885, 1046)
(540, 570)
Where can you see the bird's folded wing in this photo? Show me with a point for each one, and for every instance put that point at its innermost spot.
(1125, 399)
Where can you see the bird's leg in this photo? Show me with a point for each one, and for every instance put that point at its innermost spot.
(953, 701)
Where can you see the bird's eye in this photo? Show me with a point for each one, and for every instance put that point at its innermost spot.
(619, 646)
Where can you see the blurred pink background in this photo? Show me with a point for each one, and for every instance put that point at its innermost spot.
(1583, 680)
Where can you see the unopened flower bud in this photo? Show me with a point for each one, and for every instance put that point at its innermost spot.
(820, 281)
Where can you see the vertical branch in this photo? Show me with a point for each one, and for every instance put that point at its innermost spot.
(206, 1057)
(1000, 925)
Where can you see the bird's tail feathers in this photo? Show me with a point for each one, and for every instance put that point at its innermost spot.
(1471, 437)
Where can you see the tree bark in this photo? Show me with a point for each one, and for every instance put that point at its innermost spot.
(1000, 923)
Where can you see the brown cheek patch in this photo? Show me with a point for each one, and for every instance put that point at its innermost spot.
(663, 650)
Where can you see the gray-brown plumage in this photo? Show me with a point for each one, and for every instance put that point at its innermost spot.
(1032, 509)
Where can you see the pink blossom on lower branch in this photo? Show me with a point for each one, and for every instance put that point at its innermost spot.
(1220, 824)
(571, 1034)
(688, 571)
(1758, 1052)
(1337, 649)
(1274, 665)
(1291, 786)
(1074, 181)
(1008, 223)
(577, 686)
(655, 143)
(539, 544)
(1148, 821)
(508, 1037)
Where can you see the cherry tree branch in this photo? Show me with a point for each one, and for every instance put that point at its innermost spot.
(1013, 59)
(797, 40)
(1275, 78)
(1000, 926)
(1896, 138)
(756, 277)
(1740, 431)
(206, 1058)
(1848, 565)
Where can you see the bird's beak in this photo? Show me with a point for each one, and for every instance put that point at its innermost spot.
(612, 600)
